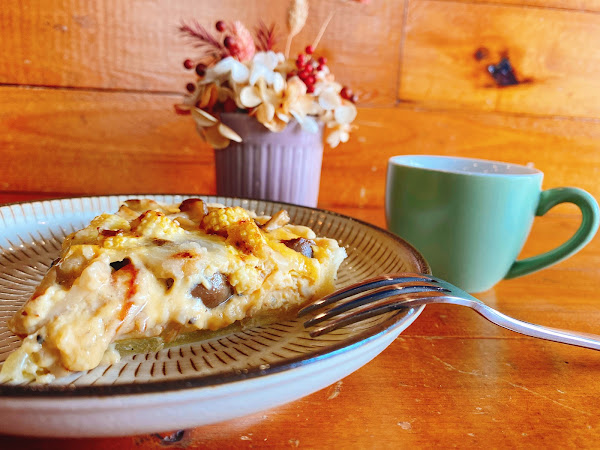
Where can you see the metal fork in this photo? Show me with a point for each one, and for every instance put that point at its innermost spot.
(404, 290)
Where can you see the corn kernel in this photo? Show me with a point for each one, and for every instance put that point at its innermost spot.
(109, 222)
(247, 237)
(155, 224)
(246, 280)
(218, 221)
(120, 241)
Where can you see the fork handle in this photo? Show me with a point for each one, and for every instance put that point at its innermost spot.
(520, 326)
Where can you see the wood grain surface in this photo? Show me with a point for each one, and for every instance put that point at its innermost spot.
(449, 47)
(108, 73)
(135, 45)
(114, 142)
(575, 5)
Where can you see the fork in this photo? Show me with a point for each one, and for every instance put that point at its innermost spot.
(405, 290)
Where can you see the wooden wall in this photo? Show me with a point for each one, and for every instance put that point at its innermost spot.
(87, 91)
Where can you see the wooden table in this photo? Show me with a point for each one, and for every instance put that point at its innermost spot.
(451, 380)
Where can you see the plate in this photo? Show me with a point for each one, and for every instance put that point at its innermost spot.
(227, 376)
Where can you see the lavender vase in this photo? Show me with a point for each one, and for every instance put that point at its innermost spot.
(284, 166)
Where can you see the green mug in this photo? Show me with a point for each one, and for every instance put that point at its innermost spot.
(470, 218)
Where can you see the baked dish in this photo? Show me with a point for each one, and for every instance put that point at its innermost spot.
(162, 271)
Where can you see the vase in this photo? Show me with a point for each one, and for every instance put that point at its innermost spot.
(280, 166)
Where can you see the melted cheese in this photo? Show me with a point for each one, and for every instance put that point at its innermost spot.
(122, 278)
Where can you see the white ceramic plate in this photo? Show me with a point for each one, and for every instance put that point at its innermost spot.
(194, 384)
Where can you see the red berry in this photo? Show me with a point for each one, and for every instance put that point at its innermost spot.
(228, 41)
(310, 89)
(346, 93)
(309, 49)
(220, 25)
(322, 60)
(311, 79)
(320, 67)
(301, 59)
(304, 74)
(201, 70)
(191, 87)
(188, 64)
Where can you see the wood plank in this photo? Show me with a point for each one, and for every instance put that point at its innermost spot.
(135, 45)
(548, 49)
(63, 141)
(566, 150)
(86, 143)
(18, 197)
(575, 5)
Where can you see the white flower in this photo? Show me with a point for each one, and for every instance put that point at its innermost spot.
(202, 118)
(345, 113)
(329, 100)
(265, 112)
(278, 82)
(263, 67)
(227, 68)
(298, 104)
(308, 123)
(268, 59)
(339, 121)
(250, 97)
(340, 133)
(216, 133)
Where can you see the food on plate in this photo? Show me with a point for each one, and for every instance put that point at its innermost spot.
(154, 270)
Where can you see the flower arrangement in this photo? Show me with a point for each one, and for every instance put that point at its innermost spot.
(239, 72)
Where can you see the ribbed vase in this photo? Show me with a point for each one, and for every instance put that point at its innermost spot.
(284, 166)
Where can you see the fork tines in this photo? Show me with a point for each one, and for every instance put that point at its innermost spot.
(381, 298)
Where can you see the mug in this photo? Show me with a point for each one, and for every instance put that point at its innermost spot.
(470, 218)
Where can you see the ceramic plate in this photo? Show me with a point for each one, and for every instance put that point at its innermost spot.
(228, 376)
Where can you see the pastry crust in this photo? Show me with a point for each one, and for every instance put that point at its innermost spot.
(153, 270)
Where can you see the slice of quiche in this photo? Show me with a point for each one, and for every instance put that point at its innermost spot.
(162, 270)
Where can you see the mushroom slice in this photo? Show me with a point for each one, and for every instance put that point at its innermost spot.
(195, 208)
(278, 220)
(301, 245)
(219, 292)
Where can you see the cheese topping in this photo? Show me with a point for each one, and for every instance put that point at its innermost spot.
(161, 270)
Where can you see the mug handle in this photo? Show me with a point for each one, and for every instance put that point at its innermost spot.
(589, 225)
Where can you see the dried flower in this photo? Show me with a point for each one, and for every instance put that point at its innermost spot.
(211, 49)
(243, 47)
(227, 67)
(296, 18)
(265, 37)
(249, 77)
(216, 133)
